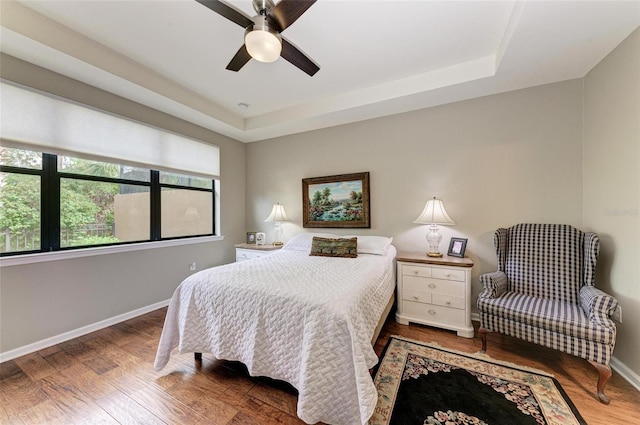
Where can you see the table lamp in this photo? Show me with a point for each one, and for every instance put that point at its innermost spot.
(278, 215)
(434, 214)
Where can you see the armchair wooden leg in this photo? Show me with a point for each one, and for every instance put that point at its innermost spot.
(604, 373)
(197, 357)
(483, 337)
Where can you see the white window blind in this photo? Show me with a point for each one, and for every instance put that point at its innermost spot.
(33, 120)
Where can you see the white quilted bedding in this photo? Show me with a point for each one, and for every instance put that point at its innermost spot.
(304, 320)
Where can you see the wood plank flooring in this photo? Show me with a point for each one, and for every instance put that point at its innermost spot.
(107, 377)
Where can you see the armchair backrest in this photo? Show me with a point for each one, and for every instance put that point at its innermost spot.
(547, 260)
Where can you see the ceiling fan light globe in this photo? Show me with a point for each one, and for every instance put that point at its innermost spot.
(262, 45)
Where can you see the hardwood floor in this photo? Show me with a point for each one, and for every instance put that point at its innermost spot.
(107, 377)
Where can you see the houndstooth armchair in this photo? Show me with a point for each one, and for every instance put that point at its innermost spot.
(543, 292)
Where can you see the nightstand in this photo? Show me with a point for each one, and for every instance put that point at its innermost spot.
(247, 251)
(435, 291)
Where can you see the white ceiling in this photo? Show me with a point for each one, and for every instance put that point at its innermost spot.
(376, 57)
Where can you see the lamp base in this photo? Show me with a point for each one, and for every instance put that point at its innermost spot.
(434, 254)
(278, 243)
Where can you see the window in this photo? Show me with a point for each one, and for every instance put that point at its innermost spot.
(39, 121)
(20, 200)
(187, 209)
(73, 176)
(50, 202)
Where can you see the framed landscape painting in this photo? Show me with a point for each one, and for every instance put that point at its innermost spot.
(336, 201)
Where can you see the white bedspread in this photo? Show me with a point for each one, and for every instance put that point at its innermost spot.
(304, 320)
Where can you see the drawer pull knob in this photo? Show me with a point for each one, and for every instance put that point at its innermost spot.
(415, 297)
(448, 302)
(447, 274)
(432, 285)
(415, 272)
(432, 312)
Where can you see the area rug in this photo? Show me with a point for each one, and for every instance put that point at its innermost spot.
(424, 384)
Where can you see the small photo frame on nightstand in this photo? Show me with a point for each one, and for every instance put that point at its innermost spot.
(457, 246)
(251, 237)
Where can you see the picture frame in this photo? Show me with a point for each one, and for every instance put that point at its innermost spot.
(457, 247)
(251, 238)
(340, 201)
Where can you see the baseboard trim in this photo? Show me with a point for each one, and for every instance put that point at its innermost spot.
(627, 374)
(622, 369)
(48, 342)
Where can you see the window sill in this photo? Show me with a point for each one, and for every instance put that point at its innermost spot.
(19, 260)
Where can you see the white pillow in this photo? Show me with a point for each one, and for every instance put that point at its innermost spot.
(377, 245)
(302, 241)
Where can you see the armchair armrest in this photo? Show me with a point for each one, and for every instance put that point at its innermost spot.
(493, 284)
(597, 305)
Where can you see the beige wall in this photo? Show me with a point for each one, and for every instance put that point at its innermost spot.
(39, 301)
(495, 161)
(612, 184)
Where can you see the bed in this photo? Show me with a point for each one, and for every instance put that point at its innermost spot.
(306, 320)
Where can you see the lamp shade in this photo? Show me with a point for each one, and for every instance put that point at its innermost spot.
(277, 214)
(434, 213)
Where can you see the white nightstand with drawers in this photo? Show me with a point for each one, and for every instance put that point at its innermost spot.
(435, 291)
(247, 251)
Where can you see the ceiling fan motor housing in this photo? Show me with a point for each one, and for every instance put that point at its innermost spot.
(260, 23)
(262, 7)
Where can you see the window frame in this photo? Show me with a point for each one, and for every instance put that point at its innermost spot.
(50, 213)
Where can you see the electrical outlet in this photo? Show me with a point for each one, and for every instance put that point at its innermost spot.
(192, 266)
(617, 314)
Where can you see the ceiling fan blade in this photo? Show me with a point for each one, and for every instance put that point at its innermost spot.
(286, 12)
(228, 12)
(239, 60)
(295, 56)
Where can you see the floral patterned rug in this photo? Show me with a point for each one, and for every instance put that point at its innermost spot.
(424, 384)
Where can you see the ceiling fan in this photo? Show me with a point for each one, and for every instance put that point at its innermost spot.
(262, 40)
